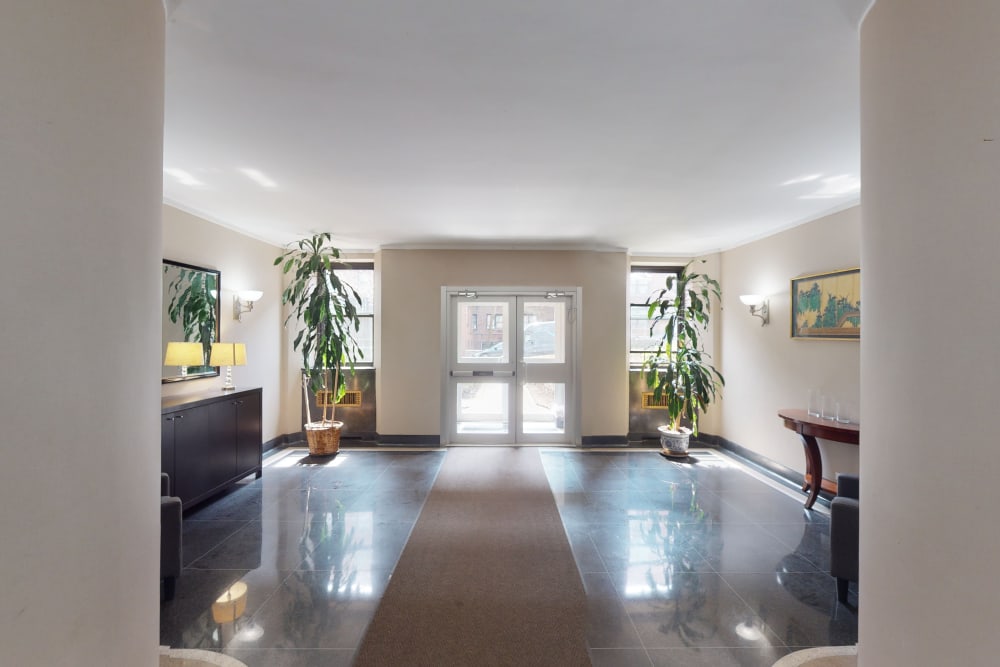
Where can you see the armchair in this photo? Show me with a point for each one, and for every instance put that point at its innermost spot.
(844, 512)
(170, 538)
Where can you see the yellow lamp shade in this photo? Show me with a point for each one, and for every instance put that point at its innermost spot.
(228, 354)
(231, 604)
(184, 354)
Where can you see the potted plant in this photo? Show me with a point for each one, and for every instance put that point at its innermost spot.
(326, 310)
(679, 372)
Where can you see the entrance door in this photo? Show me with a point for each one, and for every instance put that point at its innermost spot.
(510, 367)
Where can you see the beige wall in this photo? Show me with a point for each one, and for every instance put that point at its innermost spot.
(244, 263)
(765, 368)
(80, 185)
(930, 164)
(409, 360)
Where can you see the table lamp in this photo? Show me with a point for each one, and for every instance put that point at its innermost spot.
(183, 355)
(228, 355)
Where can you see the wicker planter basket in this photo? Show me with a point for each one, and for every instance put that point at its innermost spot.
(323, 437)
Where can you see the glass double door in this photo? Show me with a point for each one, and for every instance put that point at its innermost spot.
(510, 375)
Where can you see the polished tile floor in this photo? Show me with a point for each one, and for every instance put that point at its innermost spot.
(697, 563)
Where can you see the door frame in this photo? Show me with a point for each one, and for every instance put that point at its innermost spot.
(575, 330)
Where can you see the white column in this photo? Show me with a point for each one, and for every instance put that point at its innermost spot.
(930, 351)
(81, 127)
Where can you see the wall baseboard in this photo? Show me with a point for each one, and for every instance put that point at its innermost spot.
(286, 440)
(762, 464)
(407, 440)
(604, 441)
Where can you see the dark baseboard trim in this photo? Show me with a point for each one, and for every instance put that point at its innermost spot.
(370, 436)
(779, 473)
(286, 440)
(604, 441)
(652, 440)
(407, 440)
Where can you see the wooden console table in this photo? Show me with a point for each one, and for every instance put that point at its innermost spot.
(809, 428)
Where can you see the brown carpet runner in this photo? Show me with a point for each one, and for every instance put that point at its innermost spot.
(487, 577)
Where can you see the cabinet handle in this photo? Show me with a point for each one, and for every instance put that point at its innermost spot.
(169, 419)
(179, 417)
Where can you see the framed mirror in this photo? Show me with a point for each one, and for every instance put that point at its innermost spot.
(190, 321)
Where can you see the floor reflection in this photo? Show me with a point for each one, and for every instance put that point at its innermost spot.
(700, 559)
(683, 563)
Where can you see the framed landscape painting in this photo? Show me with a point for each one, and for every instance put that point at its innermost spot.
(827, 305)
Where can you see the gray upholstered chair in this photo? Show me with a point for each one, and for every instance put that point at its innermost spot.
(844, 512)
(170, 538)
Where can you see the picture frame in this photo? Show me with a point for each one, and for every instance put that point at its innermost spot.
(827, 306)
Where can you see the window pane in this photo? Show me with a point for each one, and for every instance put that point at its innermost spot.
(544, 407)
(478, 344)
(642, 340)
(362, 280)
(366, 339)
(643, 284)
(482, 407)
(543, 338)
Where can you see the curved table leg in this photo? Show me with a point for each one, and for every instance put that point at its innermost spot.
(814, 469)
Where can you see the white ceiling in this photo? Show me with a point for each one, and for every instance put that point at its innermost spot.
(661, 126)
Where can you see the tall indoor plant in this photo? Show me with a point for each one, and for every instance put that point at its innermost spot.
(326, 310)
(679, 373)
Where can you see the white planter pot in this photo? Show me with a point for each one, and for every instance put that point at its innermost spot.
(674, 443)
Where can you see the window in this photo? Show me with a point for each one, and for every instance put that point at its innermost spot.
(644, 282)
(361, 276)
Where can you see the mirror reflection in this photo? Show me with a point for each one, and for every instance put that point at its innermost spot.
(190, 321)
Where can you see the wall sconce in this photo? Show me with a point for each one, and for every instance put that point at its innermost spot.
(243, 302)
(228, 355)
(758, 307)
(183, 355)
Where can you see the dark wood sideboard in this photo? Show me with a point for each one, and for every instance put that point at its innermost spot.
(209, 441)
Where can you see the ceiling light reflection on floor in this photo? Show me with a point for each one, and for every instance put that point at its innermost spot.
(749, 631)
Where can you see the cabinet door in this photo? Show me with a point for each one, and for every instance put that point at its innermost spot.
(219, 454)
(191, 478)
(248, 433)
(167, 448)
